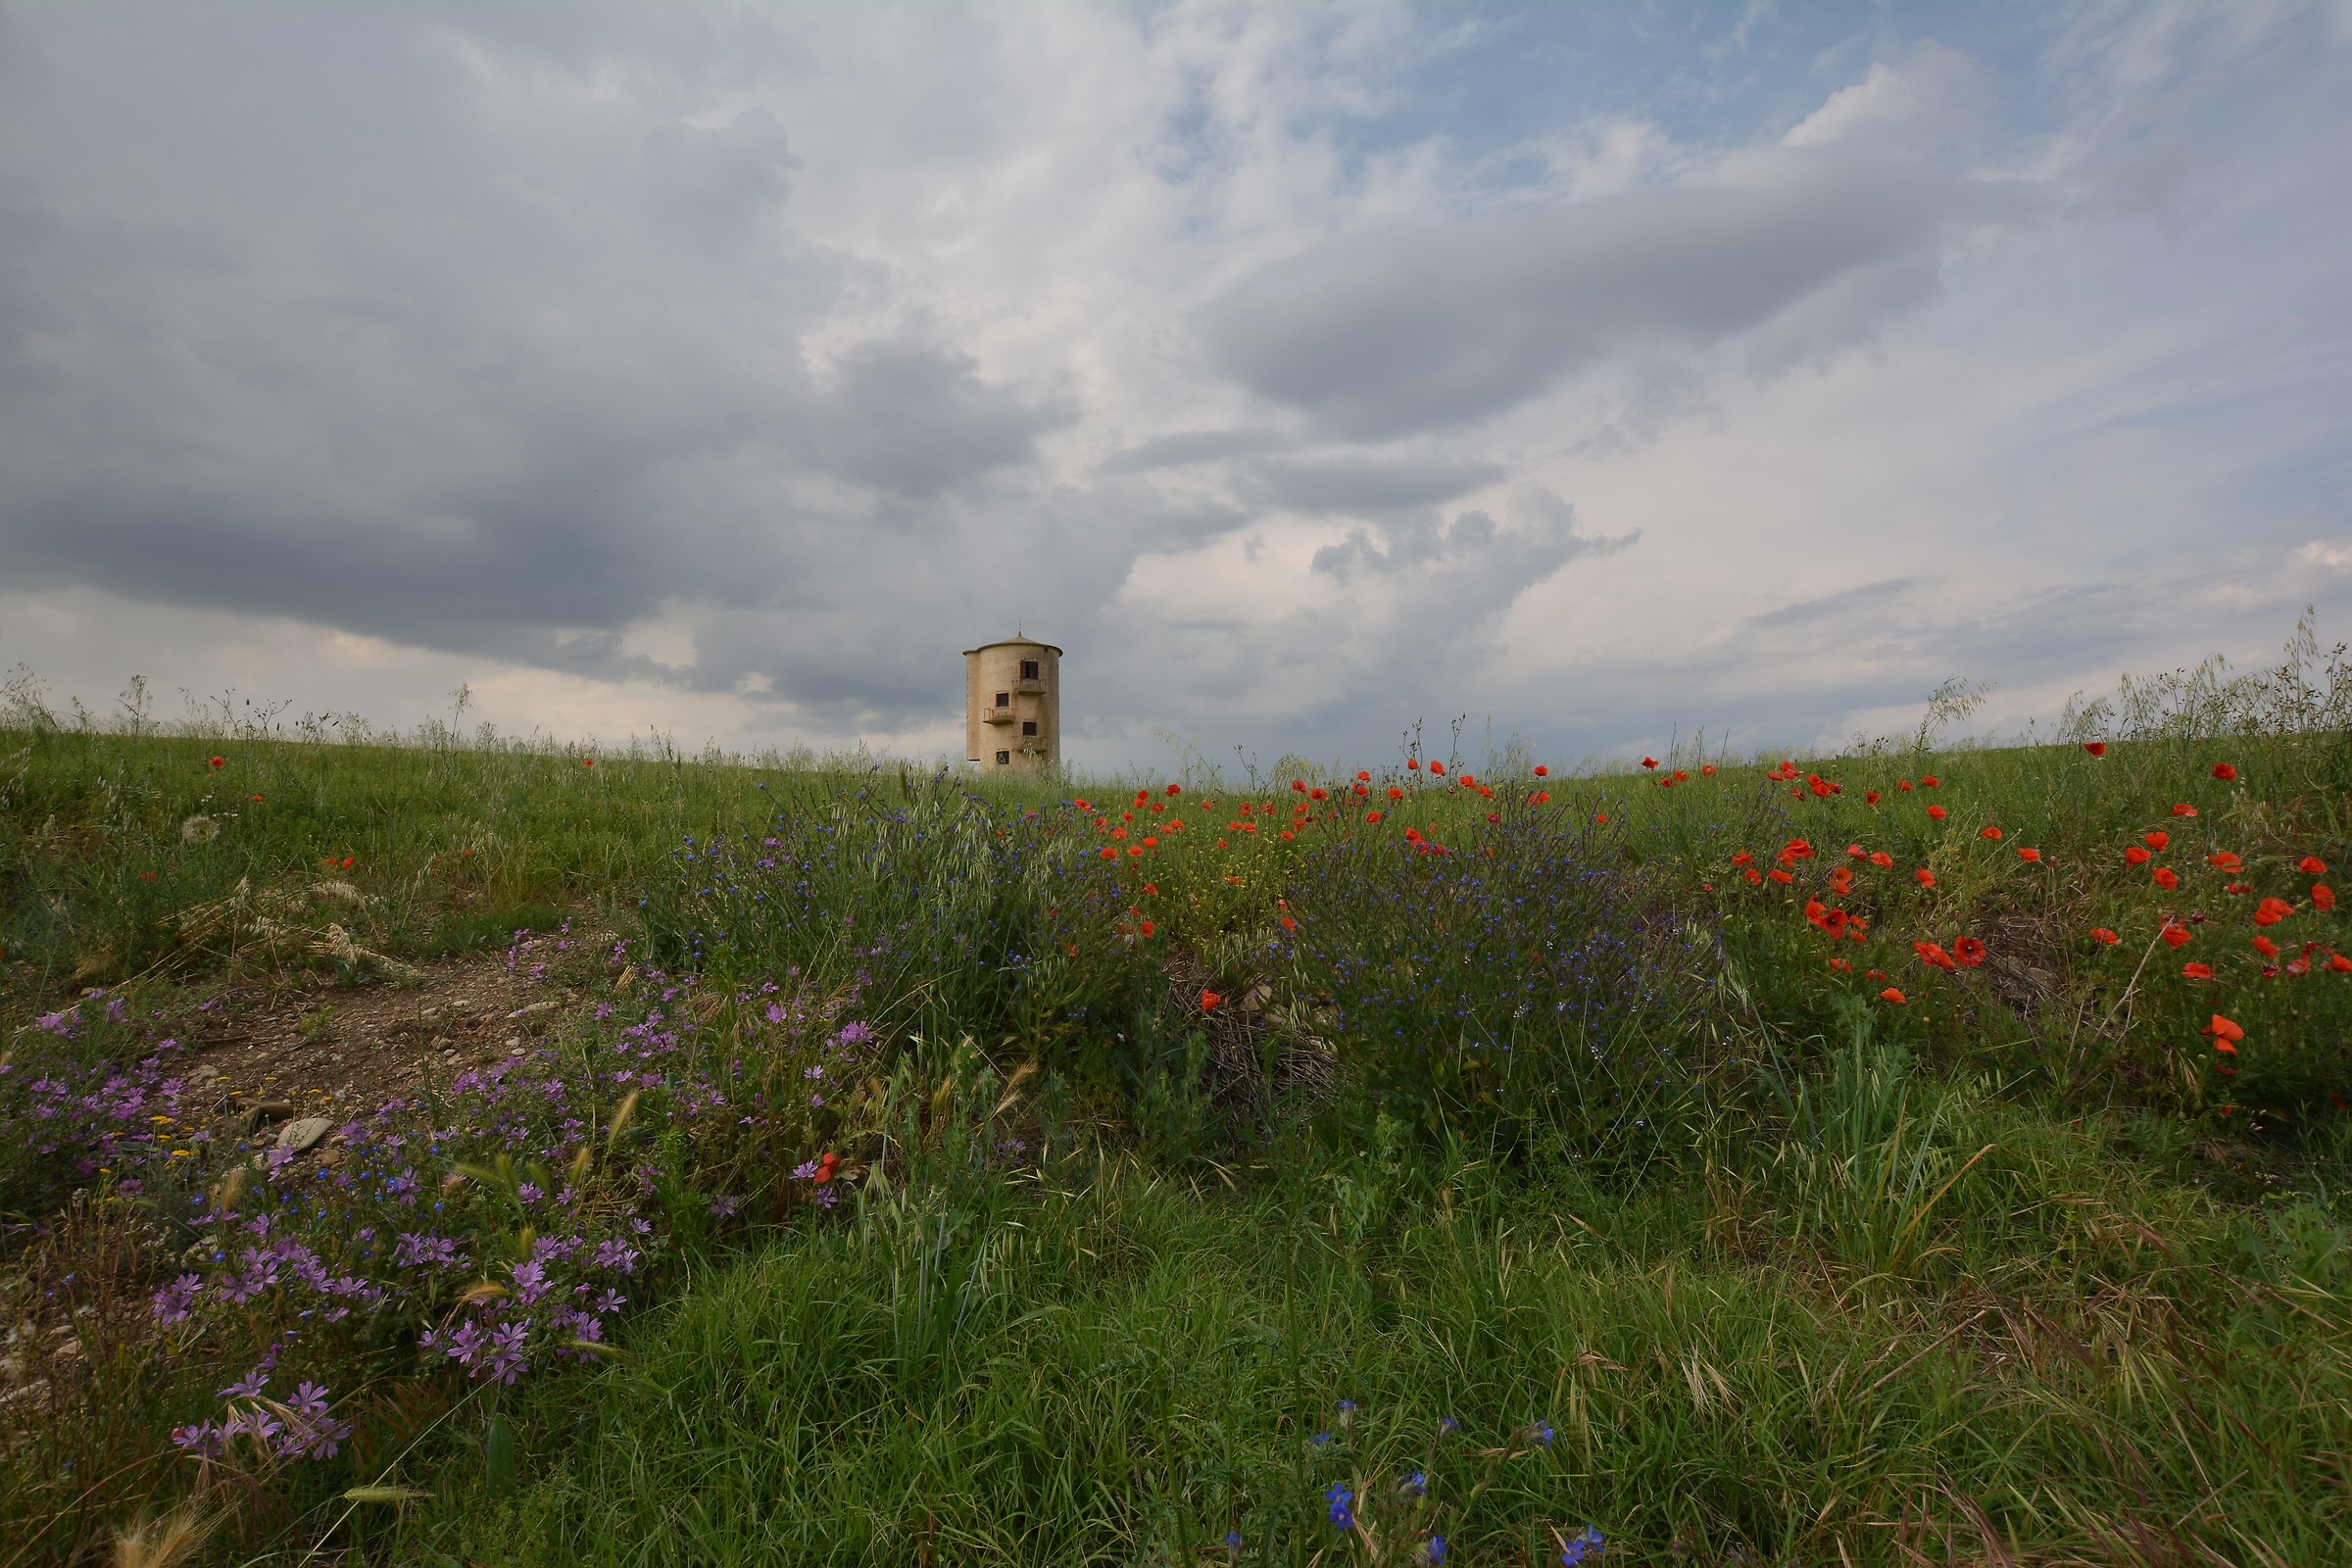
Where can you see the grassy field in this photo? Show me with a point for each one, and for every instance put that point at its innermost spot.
(1914, 1155)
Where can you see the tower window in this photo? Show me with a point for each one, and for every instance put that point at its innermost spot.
(1004, 759)
(1004, 699)
(1028, 726)
(1028, 669)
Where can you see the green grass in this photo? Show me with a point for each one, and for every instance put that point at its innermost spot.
(1108, 1366)
(2017, 1269)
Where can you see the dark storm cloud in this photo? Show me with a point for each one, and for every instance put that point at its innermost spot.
(428, 369)
(1410, 329)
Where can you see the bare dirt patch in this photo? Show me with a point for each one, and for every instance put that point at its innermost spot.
(271, 1054)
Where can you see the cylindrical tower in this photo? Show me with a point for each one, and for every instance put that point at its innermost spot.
(1012, 705)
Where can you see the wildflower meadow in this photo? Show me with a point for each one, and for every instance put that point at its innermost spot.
(1922, 1152)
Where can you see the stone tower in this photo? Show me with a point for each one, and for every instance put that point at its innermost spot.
(1012, 705)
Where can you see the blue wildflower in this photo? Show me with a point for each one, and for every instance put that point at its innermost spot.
(1342, 1517)
(1577, 1549)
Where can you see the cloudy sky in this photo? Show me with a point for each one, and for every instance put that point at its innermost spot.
(1303, 370)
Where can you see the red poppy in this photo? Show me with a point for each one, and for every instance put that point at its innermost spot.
(1299, 786)
(1371, 817)
(2226, 1033)
(2156, 841)
(1600, 817)
(2183, 809)
(1855, 850)
(2198, 971)
(1893, 996)
(1902, 783)
(1541, 771)
(1541, 797)
(2095, 748)
(220, 762)
(2265, 947)
(587, 761)
(1209, 1001)
(1289, 924)
(256, 798)
(2174, 934)
(1082, 805)
(1175, 789)
(1412, 762)
(2135, 855)
(2270, 911)
(1149, 891)
(1396, 794)
(2323, 897)
(1927, 878)
(2339, 963)
(825, 1168)
(1845, 964)
(1782, 877)
(1412, 835)
(2103, 936)
(1151, 842)
(1881, 860)
(1708, 770)
(1870, 797)
(2223, 771)
(1317, 795)
(2028, 855)
(2166, 878)
(2227, 860)
(1110, 854)
(2312, 865)
(1742, 858)
(1437, 768)
(1968, 951)
(1932, 955)
(1936, 812)
(1754, 875)
(1149, 928)
(1991, 833)
(1929, 781)
(1649, 762)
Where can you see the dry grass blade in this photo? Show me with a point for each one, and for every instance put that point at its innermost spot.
(161, 1543)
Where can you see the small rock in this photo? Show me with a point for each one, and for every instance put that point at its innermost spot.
(301, 1135)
